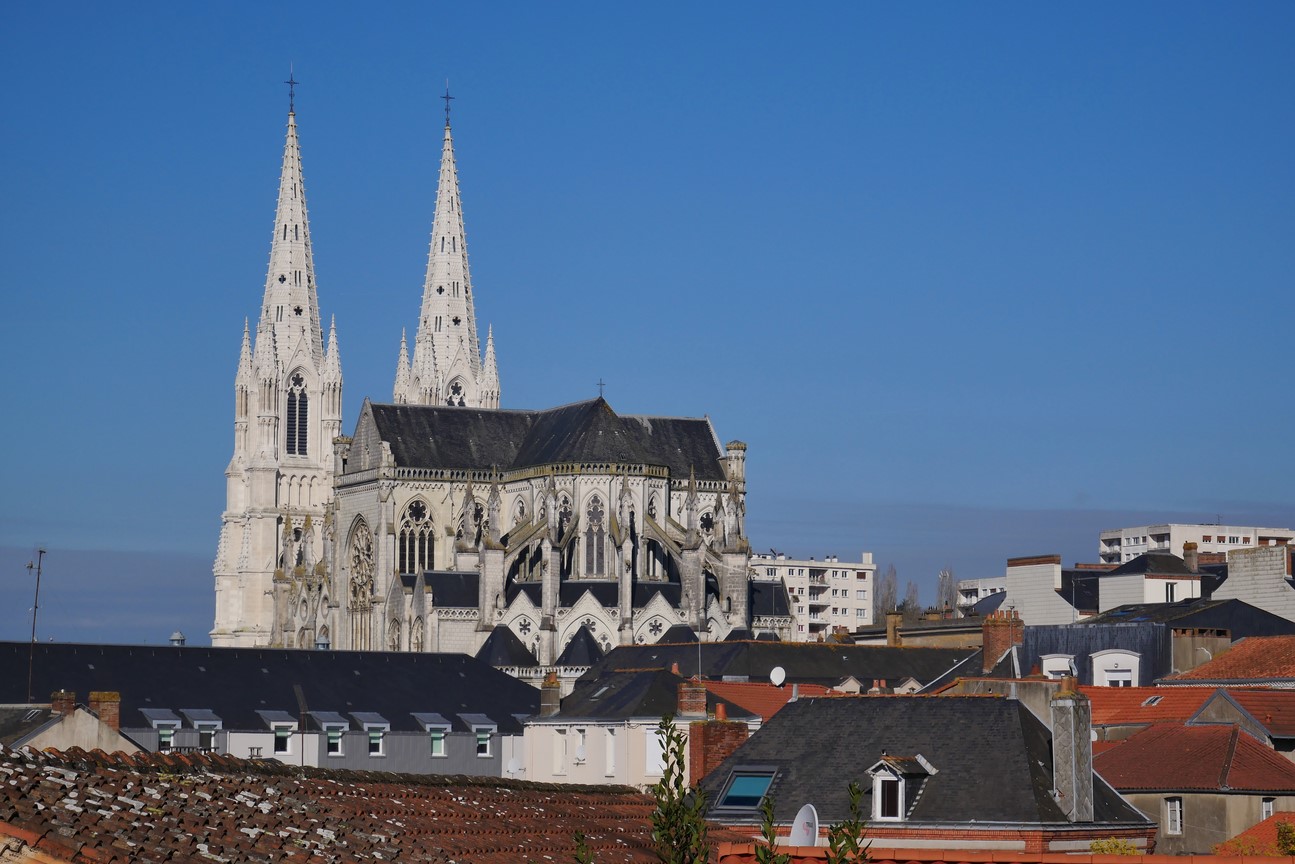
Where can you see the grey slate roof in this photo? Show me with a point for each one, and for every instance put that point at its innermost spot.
(1239, 618)
(804, 663)
(503, 648)
(975, 743)
(454, 589)
(582, 650)
(234, 683)
(1161, 563)
(1150, 640)
(434, 436)
(768, 597)
(19, 721)
(645, 694)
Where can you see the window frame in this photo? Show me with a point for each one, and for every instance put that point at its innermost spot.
(1174, 815)
(738, 773)
(880, 780)
(340, 741)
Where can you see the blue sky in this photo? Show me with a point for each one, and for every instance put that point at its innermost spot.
(972, 280)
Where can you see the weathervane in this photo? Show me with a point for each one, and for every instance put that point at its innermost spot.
(292, 91)
(447, 97)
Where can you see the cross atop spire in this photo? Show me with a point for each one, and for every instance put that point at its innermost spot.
(447, 97)
(292, 91)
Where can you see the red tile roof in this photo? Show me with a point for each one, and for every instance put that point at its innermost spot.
(1203, 758)
(1131, 706)
(96, 808)
(1257, 658)
(1258, 839)
(760, 698)
(1275, 709)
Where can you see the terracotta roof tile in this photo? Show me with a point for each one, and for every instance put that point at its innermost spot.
(1258, 839)
(760, 698)
(1129, 706)
(1275, 709)
(95, 807)
(1181, 758)
(1253, 659)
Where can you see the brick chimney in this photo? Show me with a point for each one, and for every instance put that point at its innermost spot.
(692, 699)
(1000, 631)
(1191, 557)
(893, 622)
(107, 705)
(550, 695)
(1072, 751)
(712, 742)
(63, 701)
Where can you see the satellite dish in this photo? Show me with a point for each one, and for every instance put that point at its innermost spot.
(804, 831)
(777, 675)
(580, 753)
(513, 767)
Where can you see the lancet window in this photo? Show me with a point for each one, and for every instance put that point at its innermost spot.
(297, 417)
(595, 535)
(417, 539)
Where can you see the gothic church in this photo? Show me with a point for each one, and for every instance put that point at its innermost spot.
(447, 522)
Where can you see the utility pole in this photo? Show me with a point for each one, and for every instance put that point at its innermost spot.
(31, 649)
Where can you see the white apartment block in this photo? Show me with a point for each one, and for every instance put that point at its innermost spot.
(823, 594)
(972, 591)
(1124, 544)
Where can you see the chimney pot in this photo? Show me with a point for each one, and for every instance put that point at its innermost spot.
(550, 695)
(63, 701)
(692, 699)
(107, 705)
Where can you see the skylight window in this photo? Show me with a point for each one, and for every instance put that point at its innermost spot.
(746, 788)
(1152, 700)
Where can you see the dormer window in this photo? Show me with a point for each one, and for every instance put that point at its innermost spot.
(888, 793)
(483, 729)
(895, 782)
(164, 723)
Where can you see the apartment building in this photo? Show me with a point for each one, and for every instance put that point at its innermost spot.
(1124, 544)
(824, 594)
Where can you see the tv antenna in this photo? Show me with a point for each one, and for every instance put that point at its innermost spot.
(31, 649)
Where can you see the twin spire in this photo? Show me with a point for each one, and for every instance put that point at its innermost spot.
(447, 367)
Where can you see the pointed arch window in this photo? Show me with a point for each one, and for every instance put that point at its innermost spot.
(595, 547)
(417, 539)
(297, 417)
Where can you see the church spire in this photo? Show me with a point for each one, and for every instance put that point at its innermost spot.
(400, 393)
(291, 303)
(446, 366)
(490, 373)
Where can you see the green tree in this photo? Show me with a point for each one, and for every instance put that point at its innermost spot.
(678, 822)
(845, 838)
(767, 852)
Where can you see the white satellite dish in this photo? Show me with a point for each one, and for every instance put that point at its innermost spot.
(777, 675)
(513, 767)
(580, 753)
(804, 831)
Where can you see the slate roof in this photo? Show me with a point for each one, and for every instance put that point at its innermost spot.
(434, 436)
(819, 746)
(503, 648)
(1258, 658)
(454, 589)
(19, 721)
(1212, 758)
(825, 663)
(769, 598)
(236, 682)
(987, 604)
(1237, 617)
(1151, 641)
(582, 650)
(85, 807)
(678, 634)
(605, 593)
(646, 694)
(1155, 563)
(1143, 706)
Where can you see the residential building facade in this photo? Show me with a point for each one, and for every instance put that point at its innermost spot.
(1124, 544)
(825, 595)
